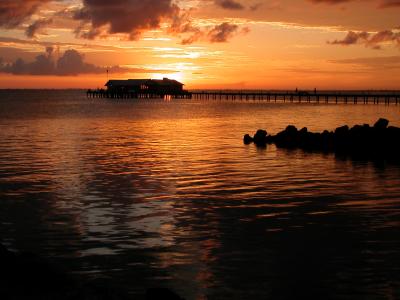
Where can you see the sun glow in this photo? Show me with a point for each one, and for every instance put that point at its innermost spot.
(179, 76)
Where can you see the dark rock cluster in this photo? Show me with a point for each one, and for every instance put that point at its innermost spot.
(361, 141)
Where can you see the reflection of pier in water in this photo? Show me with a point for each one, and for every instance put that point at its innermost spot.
(355, 97)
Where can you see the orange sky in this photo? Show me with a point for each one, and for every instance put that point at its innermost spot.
(276, 44)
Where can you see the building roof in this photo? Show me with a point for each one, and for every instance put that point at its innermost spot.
(138, 82)
(166, 81)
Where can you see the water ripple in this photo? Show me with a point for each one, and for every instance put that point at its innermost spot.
(155, 193)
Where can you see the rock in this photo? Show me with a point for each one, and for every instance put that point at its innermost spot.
(356, 128)
(304, 130)
(392, 142)
(394, 131)
(325, 133)
(381, 124)
(290, 129)
(343, 130)
(287, 138)
(260, 138)
(270, 139)
(247, 139)
(326, 140)
(341, 139)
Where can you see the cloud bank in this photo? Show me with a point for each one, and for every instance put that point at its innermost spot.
(131, 18)
(123, 16)
(374, 41)
(69, 64)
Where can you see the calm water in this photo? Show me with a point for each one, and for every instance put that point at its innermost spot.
(165, 194)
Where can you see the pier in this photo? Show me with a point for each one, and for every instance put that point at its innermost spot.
(353, 97)
(141, 89)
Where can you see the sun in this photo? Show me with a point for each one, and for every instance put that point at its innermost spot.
(178, 76)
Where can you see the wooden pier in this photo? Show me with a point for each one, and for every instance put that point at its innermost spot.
(369, 97)
(302, 97)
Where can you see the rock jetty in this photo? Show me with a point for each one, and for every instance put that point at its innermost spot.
(379, 141)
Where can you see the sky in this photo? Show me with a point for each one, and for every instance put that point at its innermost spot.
(205, 44)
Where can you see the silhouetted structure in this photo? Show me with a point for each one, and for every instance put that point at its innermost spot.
(154, 86)
(141, 88)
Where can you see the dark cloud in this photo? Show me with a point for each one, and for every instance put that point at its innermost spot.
(384, 36)
(351, 38)
(221, 33)
(192, 38)
(182, 24)
(374, 41)
(70, 63)
(36, 27)
(218, 34)
(123, 16)
(229, 4)
(14, 12)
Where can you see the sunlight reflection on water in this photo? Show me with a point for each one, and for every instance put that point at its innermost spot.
(165, 193)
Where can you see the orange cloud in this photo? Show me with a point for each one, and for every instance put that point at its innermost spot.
(70, 63)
